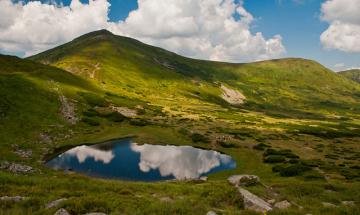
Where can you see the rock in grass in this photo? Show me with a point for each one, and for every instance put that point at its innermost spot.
(203, 178)
(253, 202)
(244, 180)
(96, 213)
(348, 203)
(211, 213)
(12, 198)
(61, 211)
(328, 205)
(19, 168)
(54, 203)
(282, 205)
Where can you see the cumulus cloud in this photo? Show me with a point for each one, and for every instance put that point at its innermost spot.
(205, 29)
(35, 26)
(344, 31)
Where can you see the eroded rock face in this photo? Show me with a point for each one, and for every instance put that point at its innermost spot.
(282, 205)
(244, 180)
(233, 97)
(253, 202)
(68, 110)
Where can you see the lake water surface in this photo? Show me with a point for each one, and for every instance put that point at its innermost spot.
(126, 160)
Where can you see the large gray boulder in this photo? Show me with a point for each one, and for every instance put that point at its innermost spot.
(253, 202)
(244, 180)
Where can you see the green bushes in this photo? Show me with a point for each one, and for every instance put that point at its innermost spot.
(274, 159)
(196, 137)
(139, 122)
(291, 170)
(115, 117)
(261, 146)
(90, 121)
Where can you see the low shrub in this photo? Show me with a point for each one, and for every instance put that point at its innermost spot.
(115, 117)
(196, 137)
(90, 121)
(139, 122)
(294, 170)
(274, 159)
(261, 146)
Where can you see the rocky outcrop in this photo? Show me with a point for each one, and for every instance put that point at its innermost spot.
(253, 202)
(244, 180)
(125, 111)
(95, 214)
(17, 168)
(61, 211)
(211, 213)
(231, 96)
(67, 110)
(55, 203)
(328, 205)
(282, 205)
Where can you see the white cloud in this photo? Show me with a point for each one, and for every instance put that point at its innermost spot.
(344, 31)
(203, 29)
(36, 26)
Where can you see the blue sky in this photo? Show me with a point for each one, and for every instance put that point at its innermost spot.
(297, 21)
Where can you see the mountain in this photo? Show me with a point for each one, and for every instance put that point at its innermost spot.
(291, 122)
(353, 74)
(293, 87)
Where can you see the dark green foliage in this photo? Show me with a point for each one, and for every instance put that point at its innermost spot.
(294, 170)
(227, 144)
(90, 121)
(274, 159)
(313, 175)
(196, 137)
(261, 146)
(140, 122)
(91, 113)
(115, 117)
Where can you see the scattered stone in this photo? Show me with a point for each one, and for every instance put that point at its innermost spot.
(55, 203)
(282, 205)
(124, 111)
(271, 201)
(96, 213)
(244, 180)
(61, 211)
(211, 213)
(328, 205)
(19, 168)
(253, 202)
(24, 153)
(4, 165)
(165, 199)
(12, 198)
(45, 138)
(203, 178)
(348, 203)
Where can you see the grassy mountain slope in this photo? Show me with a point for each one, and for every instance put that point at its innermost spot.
(71, 95)
(293, 87)
(353, 74)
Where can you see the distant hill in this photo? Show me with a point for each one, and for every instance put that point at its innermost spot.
(353, 74)
(128, 67)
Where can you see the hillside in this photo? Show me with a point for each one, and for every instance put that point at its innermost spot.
(292, 122)
(353, 74)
